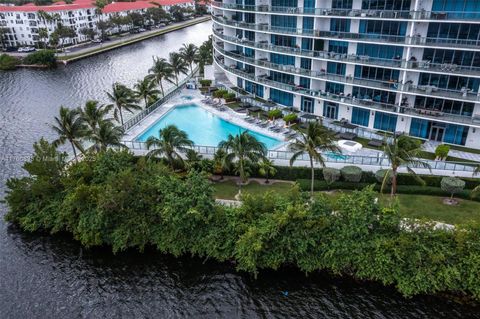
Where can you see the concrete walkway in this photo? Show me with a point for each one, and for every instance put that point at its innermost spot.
(430, 146)
(85, 49)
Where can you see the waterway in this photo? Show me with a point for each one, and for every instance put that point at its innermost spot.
(53, 277)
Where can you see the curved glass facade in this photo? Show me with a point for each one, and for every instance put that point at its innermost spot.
(408, 65)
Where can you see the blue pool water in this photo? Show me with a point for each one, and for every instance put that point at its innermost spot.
(202, 127)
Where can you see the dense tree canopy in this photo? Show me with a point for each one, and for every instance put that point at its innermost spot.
(113, 198)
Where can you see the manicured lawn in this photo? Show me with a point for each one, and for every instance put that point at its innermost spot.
(413, 206)
(228, 189)
(432, 207)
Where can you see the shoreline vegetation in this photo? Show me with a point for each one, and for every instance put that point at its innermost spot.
(115, 199)
(44, 59)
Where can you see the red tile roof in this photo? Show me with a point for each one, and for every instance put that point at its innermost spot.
(86, 4)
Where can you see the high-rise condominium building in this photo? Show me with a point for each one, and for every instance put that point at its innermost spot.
(408, 66)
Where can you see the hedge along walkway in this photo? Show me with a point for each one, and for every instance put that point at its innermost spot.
(229, 188)
(131, 40)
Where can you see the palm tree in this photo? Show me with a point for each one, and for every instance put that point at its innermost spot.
(400, 155)
(245, 149)
(178, 65)
(170, 142)
(93, 114)
(106, 135)
(192, 159)
(122, 98)
(266, 168)
(220, 162)
(189, 54)
(160, 71)
(145, 89)
(313, 142)
(69, 127)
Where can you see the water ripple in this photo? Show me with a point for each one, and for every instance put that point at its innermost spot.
(53, 277)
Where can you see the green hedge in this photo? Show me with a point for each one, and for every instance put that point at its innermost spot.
(42, 57)
(320, 185)
(8, 62)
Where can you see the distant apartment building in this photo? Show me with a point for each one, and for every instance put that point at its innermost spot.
(408, 66)
(23, 22)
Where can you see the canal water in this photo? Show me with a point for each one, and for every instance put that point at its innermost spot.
(53, 277)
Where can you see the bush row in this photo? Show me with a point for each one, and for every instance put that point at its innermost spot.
(321, 185)
(295, 173)
(112, 199)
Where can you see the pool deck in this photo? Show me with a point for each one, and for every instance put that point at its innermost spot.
(227, 115)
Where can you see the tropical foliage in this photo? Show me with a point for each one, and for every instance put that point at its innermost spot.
(170, 142)
(313, 142)
(243, 150)
(402, 151)
(125, 202)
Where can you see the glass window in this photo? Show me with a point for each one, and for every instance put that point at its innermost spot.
(419, 128)
(455, 134)
(385, 121)
(330, 110)
(282, 59)
(360, 116)
(281, 97)
(307, 105)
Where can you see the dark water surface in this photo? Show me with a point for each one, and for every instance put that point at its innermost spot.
(53, 277)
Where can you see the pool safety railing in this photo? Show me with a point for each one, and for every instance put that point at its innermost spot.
(168, 95)
(379, 161)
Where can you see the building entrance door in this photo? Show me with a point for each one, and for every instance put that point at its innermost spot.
(436, 133)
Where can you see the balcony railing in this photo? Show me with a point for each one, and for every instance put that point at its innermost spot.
(360, 37)
(353, 101)
(391, 85)
(425, 66)
(354, 13)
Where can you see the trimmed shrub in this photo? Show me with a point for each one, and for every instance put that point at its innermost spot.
(331, 175)
(8, 62)
(292, 117)
(380, 176)
(219, 94)
(205, 82)
(274, 114)
(351, 173)
(408, 143)
(452, 185)
(442, 151)
(229, 97)
(42, 57)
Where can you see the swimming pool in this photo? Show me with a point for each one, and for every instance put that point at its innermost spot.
(202, 127)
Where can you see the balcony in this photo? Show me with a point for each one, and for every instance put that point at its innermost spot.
(368, 103)
(357, 37)
(391, 85)
(418, 66)
(354, 13)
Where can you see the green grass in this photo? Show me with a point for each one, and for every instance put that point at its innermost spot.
(432, 207)
(228, 189)
(411, 206)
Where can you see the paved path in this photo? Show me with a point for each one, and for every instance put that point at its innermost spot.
(85, 48)
(430, 146)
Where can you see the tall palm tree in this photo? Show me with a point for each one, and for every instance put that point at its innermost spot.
(244, 149)
(106, 135)
(93, 114)
(171, 142)
(70, 127)
(400, 155)
(313, 142)
(123, 99)
(189, 54)
(145, 90)
(266, 168)
(160, 71)
(220, 162)
(178, 65)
